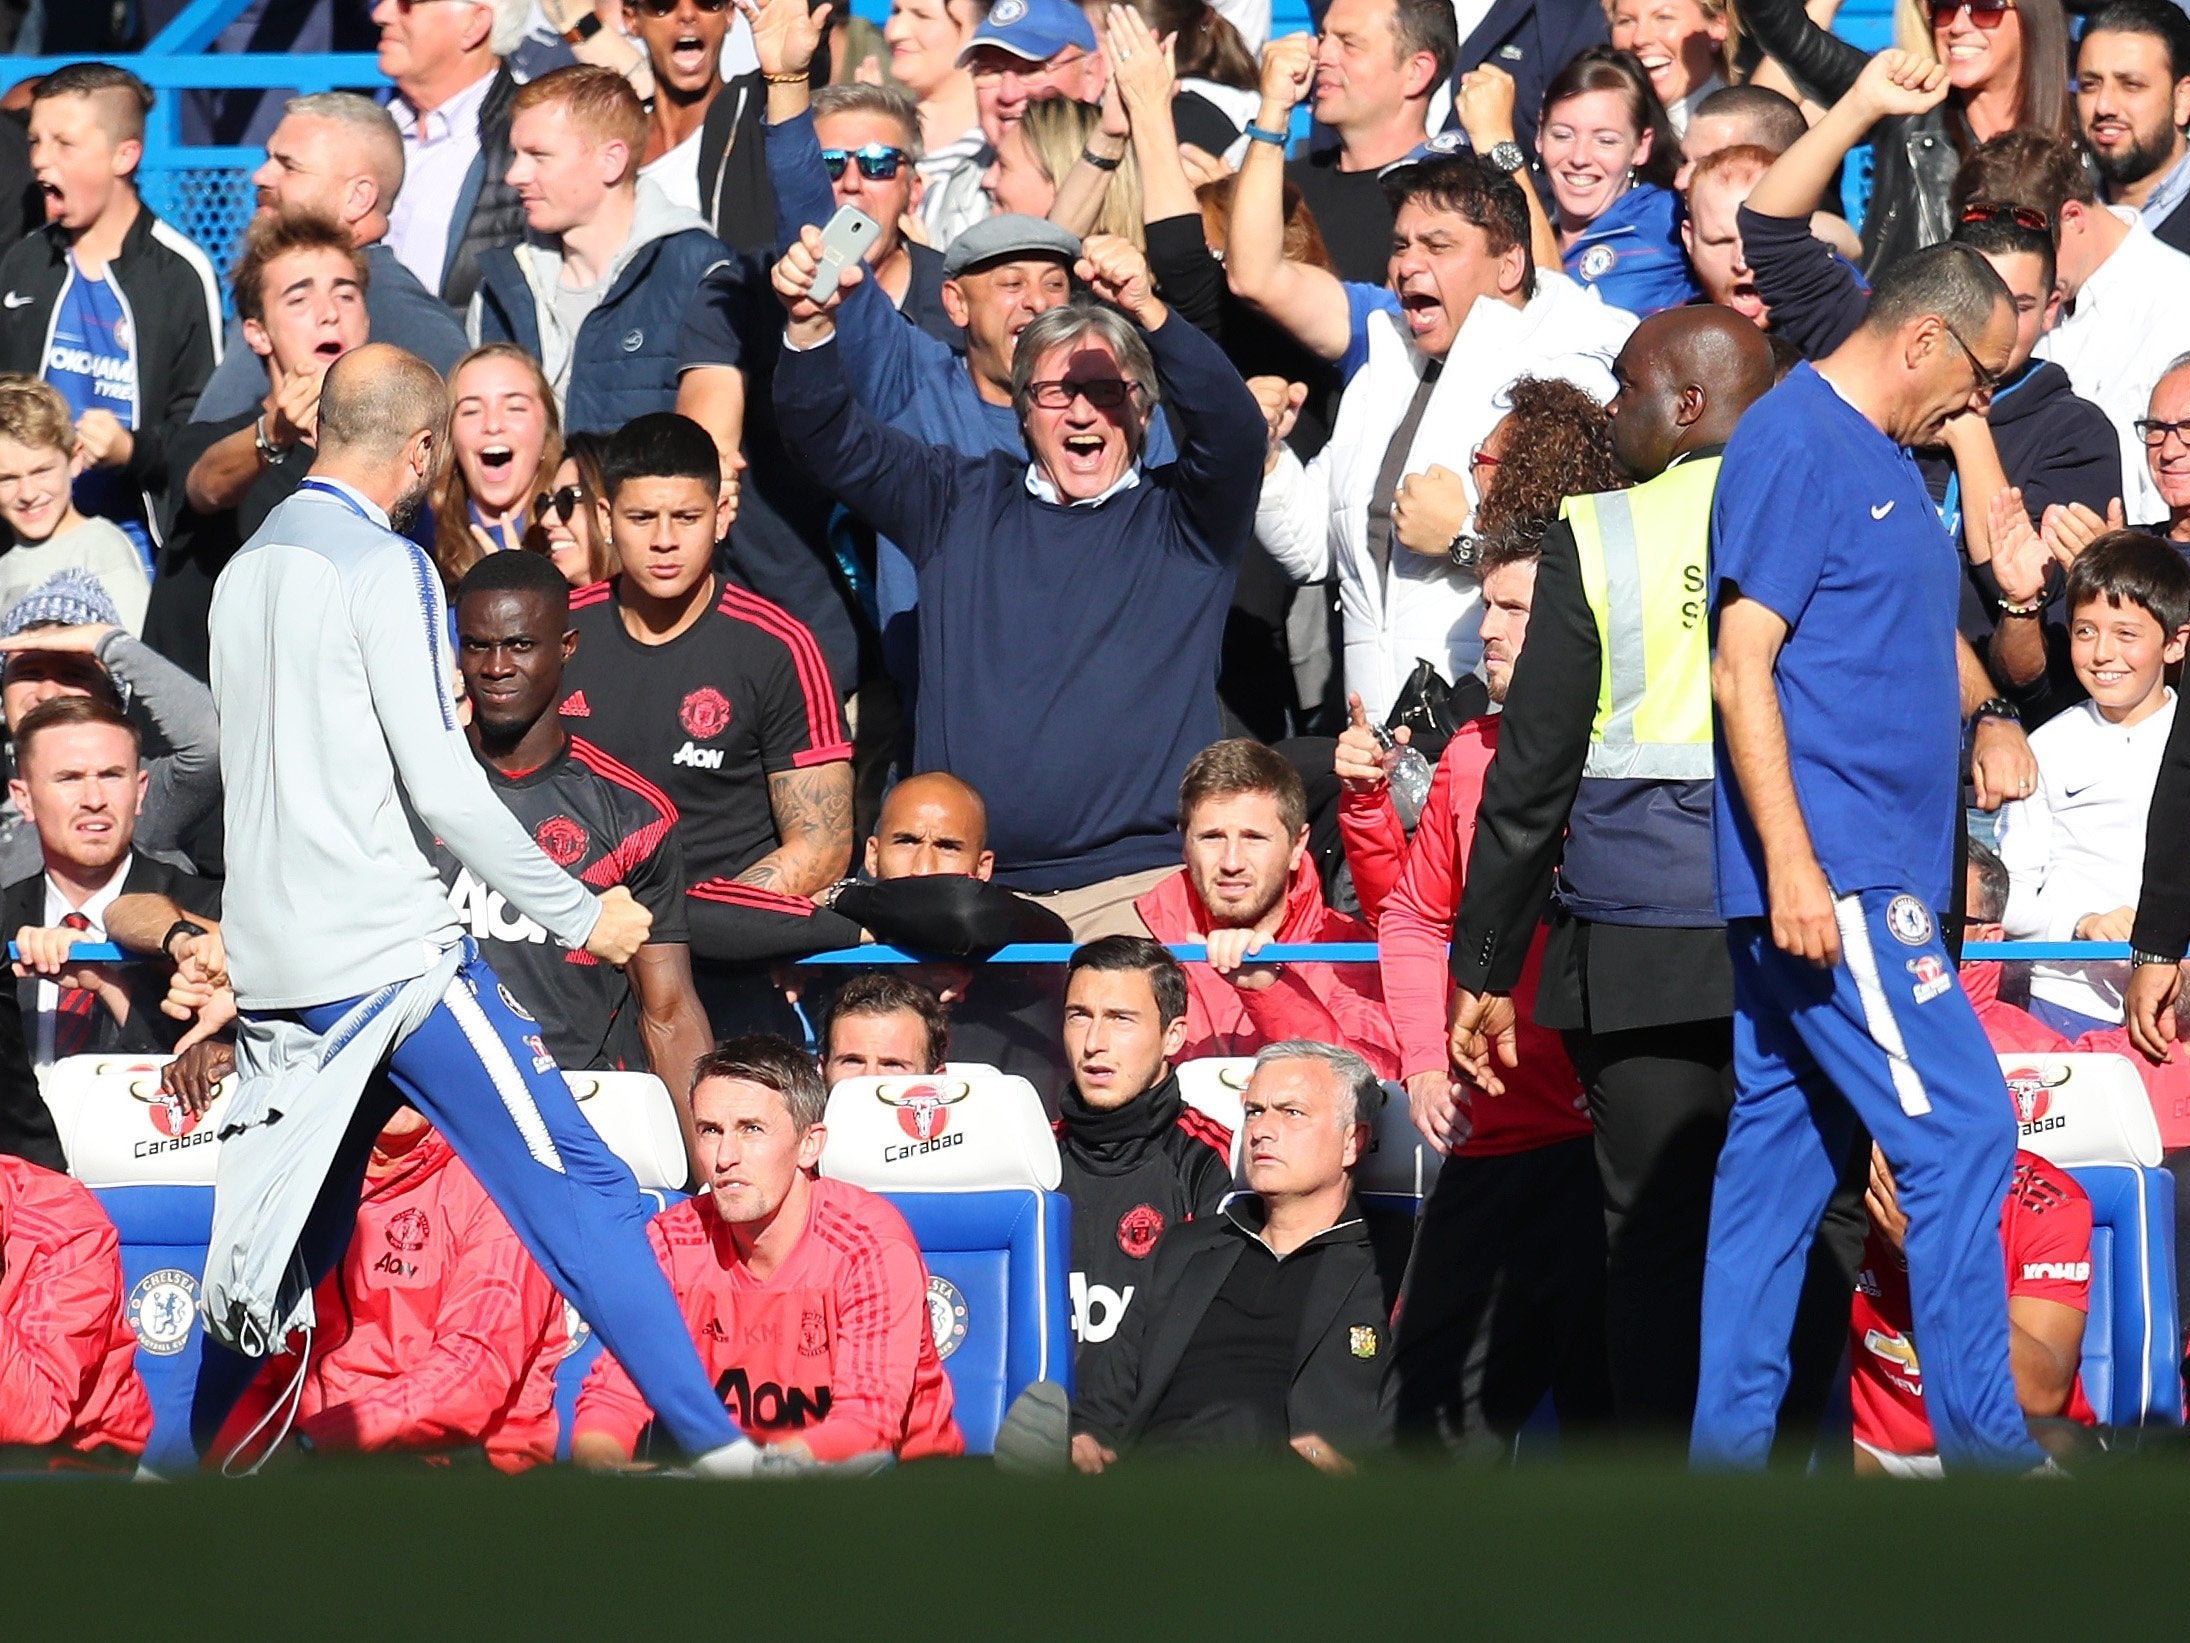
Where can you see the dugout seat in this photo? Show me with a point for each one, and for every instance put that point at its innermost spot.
(972, 1165)
(151, 1167)
(2090, 1115)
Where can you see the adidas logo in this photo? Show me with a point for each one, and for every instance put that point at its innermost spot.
(574, 706)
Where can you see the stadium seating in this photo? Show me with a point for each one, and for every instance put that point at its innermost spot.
(2090, 1115)
(151, 1165)
(972, 1165)
(1398, 1170)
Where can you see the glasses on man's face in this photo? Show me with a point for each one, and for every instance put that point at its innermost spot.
(1986, 14)
(1482, 457)
(406, 7)
(562, 504)
(2154, 432)
(1987, 378)
(878, 162)
(662, 8)
(1104, 393)
(2022, 216)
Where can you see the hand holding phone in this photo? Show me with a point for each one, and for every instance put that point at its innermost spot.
(844, 244)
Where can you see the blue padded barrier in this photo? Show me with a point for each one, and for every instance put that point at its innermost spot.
(2132, 1351)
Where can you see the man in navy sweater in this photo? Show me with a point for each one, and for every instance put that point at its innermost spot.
(1071, 606)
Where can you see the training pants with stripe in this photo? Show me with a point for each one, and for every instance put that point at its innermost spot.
(1886, 1036)
(481, 1073)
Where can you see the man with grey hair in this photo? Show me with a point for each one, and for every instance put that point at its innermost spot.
(1267, 1325)
(332, 672)
(338, 155)
(452, 106)
(1060, 595)
(1836, 810)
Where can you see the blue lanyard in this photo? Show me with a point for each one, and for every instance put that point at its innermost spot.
(1950, 505)
(340, 495)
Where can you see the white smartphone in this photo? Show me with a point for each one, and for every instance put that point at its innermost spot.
(843, 244)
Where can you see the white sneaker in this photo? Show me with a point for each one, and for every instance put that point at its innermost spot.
(737, 1459)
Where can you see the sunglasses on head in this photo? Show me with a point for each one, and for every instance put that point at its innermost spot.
(662, 8)
(1986, 14)
(2022, 216)
(562, 504)
(878, 162)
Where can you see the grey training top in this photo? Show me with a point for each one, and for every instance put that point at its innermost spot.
(332, 673)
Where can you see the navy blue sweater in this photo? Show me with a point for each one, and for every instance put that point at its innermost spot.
(1068, 654)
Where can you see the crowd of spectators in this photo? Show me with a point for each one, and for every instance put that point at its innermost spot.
(1160, 533)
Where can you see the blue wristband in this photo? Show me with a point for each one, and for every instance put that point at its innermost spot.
(1255, 133)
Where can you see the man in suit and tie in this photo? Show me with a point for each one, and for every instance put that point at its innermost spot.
(79, 780)
(1267, 1326)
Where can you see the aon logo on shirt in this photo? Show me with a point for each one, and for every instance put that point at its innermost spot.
(699, 758)
(486, 916)
(1097, 1309)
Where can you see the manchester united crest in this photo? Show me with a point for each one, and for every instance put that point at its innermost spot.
(813, 1335)
(561, 840)
(705, 713)
(1361, 1340)
(408, 1230)
(1138, 1230)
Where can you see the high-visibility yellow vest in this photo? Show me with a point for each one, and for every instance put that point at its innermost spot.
(1645, 558)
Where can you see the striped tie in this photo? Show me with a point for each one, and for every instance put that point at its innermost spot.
(72, 1017)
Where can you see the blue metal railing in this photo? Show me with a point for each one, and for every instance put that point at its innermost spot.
(1314, 952)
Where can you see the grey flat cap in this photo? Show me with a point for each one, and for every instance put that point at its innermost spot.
(993, 239)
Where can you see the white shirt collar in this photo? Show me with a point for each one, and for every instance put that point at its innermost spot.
(95, 905)
(1038, 485)
(458, 115)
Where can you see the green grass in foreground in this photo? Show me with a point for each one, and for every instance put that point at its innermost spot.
(1580, 1549)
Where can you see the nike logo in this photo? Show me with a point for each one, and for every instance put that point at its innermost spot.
(1883, 509)
(13, 300)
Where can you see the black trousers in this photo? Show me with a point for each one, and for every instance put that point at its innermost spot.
(1659, 1098)
(1503, 1301)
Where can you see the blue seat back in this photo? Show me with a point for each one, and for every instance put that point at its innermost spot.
(997, 1295)
(2132, 1353)
(164, 1230)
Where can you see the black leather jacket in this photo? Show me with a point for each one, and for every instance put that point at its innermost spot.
(1914, 159)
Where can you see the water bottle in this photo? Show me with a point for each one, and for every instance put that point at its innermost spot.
(1409, 774)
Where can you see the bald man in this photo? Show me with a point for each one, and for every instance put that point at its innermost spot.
(338, 155)
(356, 984)
(1635, 971)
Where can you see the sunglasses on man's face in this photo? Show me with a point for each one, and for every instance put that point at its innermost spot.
(662, 8)
(1986, 14)
(878, 162)
(562, 504)
(1104, 393)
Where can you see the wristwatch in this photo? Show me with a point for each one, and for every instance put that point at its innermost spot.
(181, 927)
(2140, 958)
(269, 452)
(1506, 158)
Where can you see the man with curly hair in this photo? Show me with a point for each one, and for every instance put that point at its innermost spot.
(1617, 764)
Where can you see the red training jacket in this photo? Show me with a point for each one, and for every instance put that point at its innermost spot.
(68, 1357)
(437, 1331)
(1331, 1003)
(1411, 893)
(833, 1348)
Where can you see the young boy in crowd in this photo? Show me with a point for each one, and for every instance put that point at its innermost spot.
(2074, 849)
(39, 456)
(114, 307)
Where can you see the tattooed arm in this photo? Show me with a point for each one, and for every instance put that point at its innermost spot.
(813, 811)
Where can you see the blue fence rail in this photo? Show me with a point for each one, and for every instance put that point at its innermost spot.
(1312, 952)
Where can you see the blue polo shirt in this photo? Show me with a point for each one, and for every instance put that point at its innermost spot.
(1826, 521)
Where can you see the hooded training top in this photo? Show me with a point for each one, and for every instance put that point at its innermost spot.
(332, 674)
